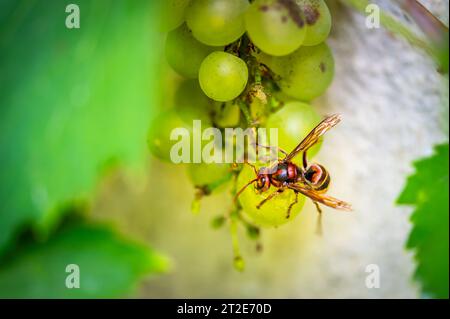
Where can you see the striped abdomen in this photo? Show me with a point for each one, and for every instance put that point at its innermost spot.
(318, 177)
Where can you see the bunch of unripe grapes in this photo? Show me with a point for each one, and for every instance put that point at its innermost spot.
(245, 64)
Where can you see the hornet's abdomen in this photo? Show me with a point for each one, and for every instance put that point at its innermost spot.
(319, 178)
(286, 173)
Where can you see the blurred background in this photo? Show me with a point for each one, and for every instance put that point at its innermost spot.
(78, 184)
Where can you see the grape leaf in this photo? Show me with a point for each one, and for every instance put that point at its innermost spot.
(428, 191)
(71, 101)
(109, 266)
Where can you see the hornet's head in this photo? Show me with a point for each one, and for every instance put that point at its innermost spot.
(263, 180)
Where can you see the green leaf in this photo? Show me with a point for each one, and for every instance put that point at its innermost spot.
(109, 266)
(72, 101)
(428, 191)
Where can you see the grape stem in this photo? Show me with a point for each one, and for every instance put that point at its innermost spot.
(238, 261)
(261, 82)
(233, 219)
(235, 216)
(245, 110)
(206, 190)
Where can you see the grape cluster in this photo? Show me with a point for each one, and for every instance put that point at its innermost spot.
(245, 63)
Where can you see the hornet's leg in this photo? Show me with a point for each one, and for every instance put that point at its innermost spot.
(319, 229)
(291, 205)
(279, 149)
(255, 142)
(305, 161)
(253, 167)
(277, 192)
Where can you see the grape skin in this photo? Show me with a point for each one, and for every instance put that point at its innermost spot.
(158, 138)
(191, 103)
(226, 114)
(184, 53)
(294, 121)
(217, 22)
(204, 174)
(318, 20)
(306, 73)
(223, 76)
(173, 13)
(274, 212)
(275, 28)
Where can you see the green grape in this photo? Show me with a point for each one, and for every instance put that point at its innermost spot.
(306, 73)
(223, 76)
(276, 27)
(158, 138)
(283, 97)
(294, 121)
(226, 114)
(191, 103)
(318, 21)
(209, 174)
(173, 13)
(274, 212)
(217, 22)
(161, 127)
(184, 53)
